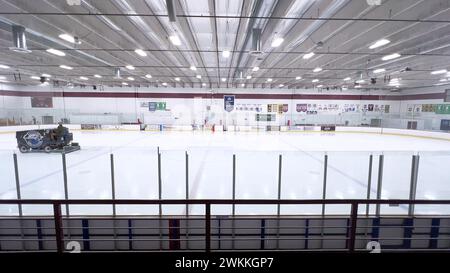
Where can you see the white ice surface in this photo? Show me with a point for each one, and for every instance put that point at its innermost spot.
(210, 170)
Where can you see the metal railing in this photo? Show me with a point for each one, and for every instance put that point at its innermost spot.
(207, 203)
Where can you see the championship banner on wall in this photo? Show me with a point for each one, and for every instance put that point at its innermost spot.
(152, 106)
(42, 102)
(285, 108)
(228, 103)
(302, 108)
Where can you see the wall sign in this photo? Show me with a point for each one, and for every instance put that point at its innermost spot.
(228, 102)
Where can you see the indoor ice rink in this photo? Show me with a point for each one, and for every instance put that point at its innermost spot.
(213, 125)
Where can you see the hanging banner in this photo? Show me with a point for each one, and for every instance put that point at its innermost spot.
(228, 101)
(41, 102)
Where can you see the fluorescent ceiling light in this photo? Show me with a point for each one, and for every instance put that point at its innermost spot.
(2, 78)
(69, 39)
(198, 76)
(315, 80)
(437, 72)
(148, 76)
(390, 57)
(66, 67)
(224, 79)
(124, 83)
(130, 67)
(249, 77)
(46, 75)
(298, 78)
(395, 80)
(443, 80)
(84, 78)
(243, 85)
(130, 78)
(381, 70)
(164, 83)
(97, 76)
(140, 52)
(280, 85)
(4, 66)
(269, 80)
(175, 40)
(35, 77)
(347, 79)
(308, 55)
(317, 69)
(56, 52)
(256, 68)
(277, 42)
(203, 84)
(226, 53)
(379, 43)
(360, 81)
(319, 86)
(177, 79)
(193, 68)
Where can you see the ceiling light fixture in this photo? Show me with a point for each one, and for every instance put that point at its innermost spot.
(248, 77)
(124, 83)
(97, 76)
(193, 68)
(317, 69)
(198, 76)
(175, 40)
(308, 55)
(280, 85)
(390, 57)
(46, 75)
(315, 80)
(66, 67)
(298, 78)
(380, 70)
(84, 78)
(269, 80)
(277, 42)
(130, 78)
(140, 52)
(177, 79)
(226, 53)
(164, 83)
(56, 52)
(224, 79)
(256, 68)
(437, 72)
(130, 67)
(379, 43)
(35, 77)
(69, 38)
(148, 76)
(347, 79)
(4, 66)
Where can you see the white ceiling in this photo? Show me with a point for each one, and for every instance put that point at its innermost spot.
(418, 30)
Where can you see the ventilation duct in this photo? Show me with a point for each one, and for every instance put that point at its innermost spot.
(256, 42)
(171, 11)
(19, 40)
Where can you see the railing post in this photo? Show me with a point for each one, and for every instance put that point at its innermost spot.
(380, 182)
(369, 183)
(59, 234)
(233, 233)
(413, 183)
(279, 197)
(113, 196)
(208, 227)
(159, 198)
(16, 175)
(187, 182)
(324, 191)
(66, 190)
(353, 224)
